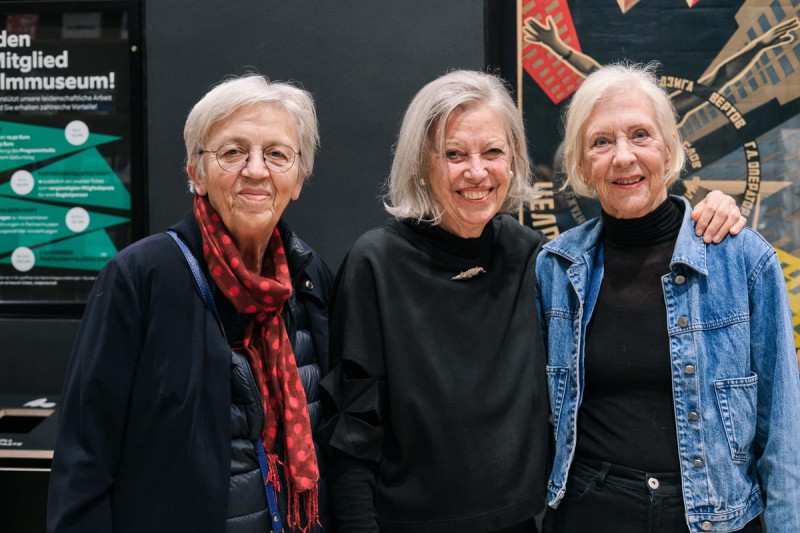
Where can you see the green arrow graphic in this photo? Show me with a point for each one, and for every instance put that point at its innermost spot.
(24, 223)
(85, 252)
(23, 144)
(80, 179)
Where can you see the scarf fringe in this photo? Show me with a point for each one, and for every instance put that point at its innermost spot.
(309, 499)
(272, 471)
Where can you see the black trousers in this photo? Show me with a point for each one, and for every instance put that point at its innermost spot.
(606, 498)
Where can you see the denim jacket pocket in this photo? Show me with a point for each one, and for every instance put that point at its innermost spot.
(736, 399)
(557, 378)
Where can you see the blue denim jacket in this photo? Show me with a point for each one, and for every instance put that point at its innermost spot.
(733, 370)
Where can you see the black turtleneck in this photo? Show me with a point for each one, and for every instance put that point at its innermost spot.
(627, 414)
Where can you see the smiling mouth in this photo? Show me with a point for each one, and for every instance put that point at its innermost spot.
(628, 181)
(475, 195)
(254, 194)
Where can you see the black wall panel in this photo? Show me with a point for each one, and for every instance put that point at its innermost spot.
(362, 59)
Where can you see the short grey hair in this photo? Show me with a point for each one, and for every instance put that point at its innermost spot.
(233, 93)
(603, 83)
(409, 191)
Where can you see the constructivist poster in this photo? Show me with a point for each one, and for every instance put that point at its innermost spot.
(733, 70)
(65, 147)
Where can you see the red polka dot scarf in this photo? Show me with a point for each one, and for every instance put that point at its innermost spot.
(270, 355)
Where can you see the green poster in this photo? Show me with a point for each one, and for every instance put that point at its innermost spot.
(66, 144)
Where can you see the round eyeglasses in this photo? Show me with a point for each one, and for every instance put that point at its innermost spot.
(233, 157)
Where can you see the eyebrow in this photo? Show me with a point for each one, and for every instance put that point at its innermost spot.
(245, 140)
(636, 126)
(453, 143)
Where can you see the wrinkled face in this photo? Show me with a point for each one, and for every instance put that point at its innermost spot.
(470, 180)
(624, 155)
(252, 200)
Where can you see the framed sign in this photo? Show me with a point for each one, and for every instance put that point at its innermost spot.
(732, 69)
(71, 191)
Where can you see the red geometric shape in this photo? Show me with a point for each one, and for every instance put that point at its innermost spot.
(692, 3)
(553, 75)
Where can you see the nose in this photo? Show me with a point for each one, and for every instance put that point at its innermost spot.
(623, 153)
(255, 166)
(476, 166)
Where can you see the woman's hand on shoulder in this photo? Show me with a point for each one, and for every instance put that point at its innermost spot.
(717, 216)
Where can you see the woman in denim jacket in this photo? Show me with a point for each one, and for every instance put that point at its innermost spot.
(672, 375)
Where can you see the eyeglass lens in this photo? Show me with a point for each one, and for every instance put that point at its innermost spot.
(233, 157)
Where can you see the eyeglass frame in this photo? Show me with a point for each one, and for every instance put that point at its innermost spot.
(247, 159)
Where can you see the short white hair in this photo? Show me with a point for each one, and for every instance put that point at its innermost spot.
(233, 93)
(601, 84)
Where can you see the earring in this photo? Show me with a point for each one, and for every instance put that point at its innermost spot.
(510, 173)
(422, 181)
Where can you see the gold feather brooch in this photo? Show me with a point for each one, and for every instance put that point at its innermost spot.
(468, 274)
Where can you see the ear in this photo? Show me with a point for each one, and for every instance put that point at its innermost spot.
(298, 187)
(197, 178)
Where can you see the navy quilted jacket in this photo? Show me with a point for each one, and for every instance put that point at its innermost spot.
(144, 440)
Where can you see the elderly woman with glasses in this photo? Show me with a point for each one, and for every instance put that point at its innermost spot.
(440, 382)
(190, 396)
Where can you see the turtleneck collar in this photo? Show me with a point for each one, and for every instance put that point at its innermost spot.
(660, 225)
(451, 244)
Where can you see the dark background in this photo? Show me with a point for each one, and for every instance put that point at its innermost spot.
(363, 60)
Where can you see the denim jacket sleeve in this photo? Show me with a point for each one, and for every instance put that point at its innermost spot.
(777, 445)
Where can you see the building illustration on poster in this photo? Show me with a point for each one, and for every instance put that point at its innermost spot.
(733, 72)
(65, 199)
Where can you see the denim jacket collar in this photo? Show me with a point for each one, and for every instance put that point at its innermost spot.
(690, 250)
(575, 243)
(578, 246)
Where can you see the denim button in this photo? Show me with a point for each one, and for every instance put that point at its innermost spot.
(689, 369)
(693, 415)
(698, 463)
(309, 284)
(706, 526)
(680, 280)
(683, 321)
(652, 483)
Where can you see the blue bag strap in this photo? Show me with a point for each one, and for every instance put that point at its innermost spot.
(197, 272)
(205, 292)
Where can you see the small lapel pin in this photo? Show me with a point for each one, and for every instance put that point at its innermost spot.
(469, 274)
